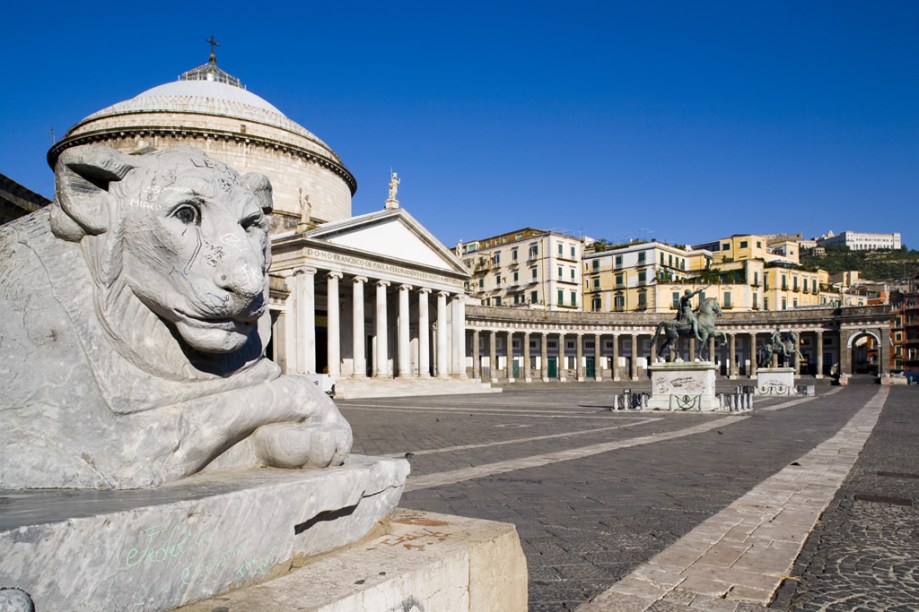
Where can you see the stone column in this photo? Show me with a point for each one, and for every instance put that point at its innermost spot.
(579, 356)
(403, 339)
(884, 351)
(306, 320)
(732, 355)
(797, 360)
(752, 373)
(333, 337)
(615, 366)
(493, 355)
(562, 362)
(442, 367)
(634, 360)
(819, 355)
(424, 334)
(653, 351)
(381, 359)
(711, 349)
(509, 356)
(526, 358)
(692, 349)
(459, 335)
(845, 352)
(544, 358)
(598, 356)
(476, 355)
(360, 359)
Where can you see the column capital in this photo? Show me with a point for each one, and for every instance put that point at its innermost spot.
(359, 279)
(382, 283)
(305, 270)
(406, 287)
(424, 290)
(334, 274)
(443, 294)
(459, 297)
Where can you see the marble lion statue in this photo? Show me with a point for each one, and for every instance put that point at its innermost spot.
(133, 327)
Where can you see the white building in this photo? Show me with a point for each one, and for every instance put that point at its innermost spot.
(861, 241)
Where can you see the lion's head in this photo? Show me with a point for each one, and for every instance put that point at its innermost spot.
(181, 233)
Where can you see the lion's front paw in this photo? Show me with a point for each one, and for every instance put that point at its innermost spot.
(298, 445)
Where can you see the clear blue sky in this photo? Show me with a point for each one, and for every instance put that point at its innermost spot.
(682, 121)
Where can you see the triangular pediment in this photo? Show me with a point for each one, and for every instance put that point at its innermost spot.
(392, 234)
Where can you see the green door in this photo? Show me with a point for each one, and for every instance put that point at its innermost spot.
(553, 367)
(516, 367)
(591, 370)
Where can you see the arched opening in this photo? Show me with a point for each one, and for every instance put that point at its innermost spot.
(864, 353)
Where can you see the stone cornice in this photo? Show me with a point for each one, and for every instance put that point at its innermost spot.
(109, 134)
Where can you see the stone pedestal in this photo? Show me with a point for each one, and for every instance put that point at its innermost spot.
(775, 381)
(155, 549)
(680, 386)
(416, 561)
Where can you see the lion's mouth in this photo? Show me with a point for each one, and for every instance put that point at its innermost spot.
(243, 320)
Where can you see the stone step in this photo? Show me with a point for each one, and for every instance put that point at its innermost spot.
(354, 389)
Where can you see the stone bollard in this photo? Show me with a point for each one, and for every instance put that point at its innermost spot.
(644, 401)
(615, 403)
(733, 403)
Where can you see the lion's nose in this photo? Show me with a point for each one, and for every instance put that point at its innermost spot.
(243, 279)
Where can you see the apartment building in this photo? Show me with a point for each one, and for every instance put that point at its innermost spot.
(861, 241)
(629, 277)
(527, 268)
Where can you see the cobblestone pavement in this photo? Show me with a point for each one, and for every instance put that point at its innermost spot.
(593, 494)
(864, 554)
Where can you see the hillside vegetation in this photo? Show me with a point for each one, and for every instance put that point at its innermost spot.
(886, 265)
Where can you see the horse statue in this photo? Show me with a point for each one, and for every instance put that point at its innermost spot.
(783, 344)
(705, 322)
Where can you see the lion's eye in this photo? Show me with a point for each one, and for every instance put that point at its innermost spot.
(186, 214)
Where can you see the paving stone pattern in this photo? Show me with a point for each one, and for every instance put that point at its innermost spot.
(864, 554)
(588, 522)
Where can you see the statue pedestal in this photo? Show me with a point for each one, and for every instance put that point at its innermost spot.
(156, 549)
(775, 381)
(680, 386)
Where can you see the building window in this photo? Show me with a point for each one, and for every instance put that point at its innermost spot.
(619, 302)
(497, 301)
(642, 300)
(496, 258)
(619, 279)
(573, 256)
(676, 300)
(534, 251)
(595, 304)
(794, 283)
(642, 277)
(725, 246)
(664, 260)
(534, 272)
(534, 297)
(561, 249)
(572, 273)
(497, 280)
(561, 297)
(743, 244)
(574, 298)
(560, 273)
(805, 285)
(784, 304)
(597, 283)
(794, 303)
(596, 264)
(641, 257)
(513, 254)
(784, 284)
(727, 299)
(755, 300)
(516, 276)
(482, 283)
(759, 244)
(756, 279)
(618, 261)
(765, 303)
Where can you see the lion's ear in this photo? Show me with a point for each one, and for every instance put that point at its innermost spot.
(260, 186)
(82, 203)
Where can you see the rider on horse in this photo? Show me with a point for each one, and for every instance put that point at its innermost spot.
(685, 314)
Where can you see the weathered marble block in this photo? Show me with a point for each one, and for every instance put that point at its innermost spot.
(156, 549)
(680, 386)
(775, 381)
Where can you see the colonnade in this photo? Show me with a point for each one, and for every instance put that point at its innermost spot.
(393, 336)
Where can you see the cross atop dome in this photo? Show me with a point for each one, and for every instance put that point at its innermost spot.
(210, 71)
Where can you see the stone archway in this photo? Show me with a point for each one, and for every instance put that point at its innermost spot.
(863, 352)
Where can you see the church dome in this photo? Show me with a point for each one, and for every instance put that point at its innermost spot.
(210, 109)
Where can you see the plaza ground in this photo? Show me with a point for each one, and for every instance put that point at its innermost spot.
(602, 499)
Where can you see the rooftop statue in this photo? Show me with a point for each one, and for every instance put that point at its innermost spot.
(134, 329)
(393, 187)
(700, 325)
